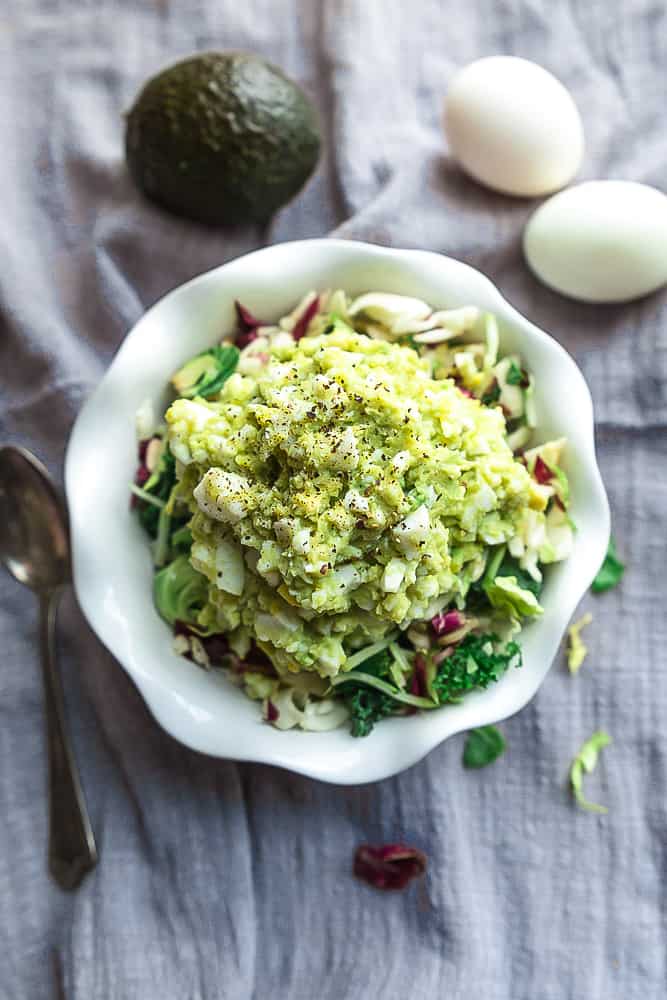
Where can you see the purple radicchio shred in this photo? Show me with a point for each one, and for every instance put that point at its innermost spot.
(465, 392)
(247, 321)
(216, 645)
(302, 323)
(142, 448)
(217, 649)
(447, 621)
(248, 325)
(388, 866)
(243, 339)
(418, 683)
(141, 476)
(542, 472)
(272, 713)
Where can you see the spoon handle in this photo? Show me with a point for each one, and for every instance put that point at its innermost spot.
(72, 851)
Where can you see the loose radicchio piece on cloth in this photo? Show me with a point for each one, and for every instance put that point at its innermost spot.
(388, 866)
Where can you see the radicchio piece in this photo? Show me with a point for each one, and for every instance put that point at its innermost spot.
(301, 325)
(465, 392)
(388, 866)
(272, 713)
(216, 646)
(220, 653)
(258, 662)
(247, 321)
(218, 649)
(142, 474)
(542, 472)
(418, 683)
(248, 325)
(447, 621)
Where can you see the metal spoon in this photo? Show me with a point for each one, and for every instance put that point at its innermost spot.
(34, 546)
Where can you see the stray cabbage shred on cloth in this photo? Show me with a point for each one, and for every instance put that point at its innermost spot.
(347, 510)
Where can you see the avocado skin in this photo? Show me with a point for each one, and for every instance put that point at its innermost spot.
(222, 138)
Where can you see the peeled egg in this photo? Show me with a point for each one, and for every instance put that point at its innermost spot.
(513, 126)
(602, 241)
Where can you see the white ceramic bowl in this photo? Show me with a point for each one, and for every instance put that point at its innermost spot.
(112, 565)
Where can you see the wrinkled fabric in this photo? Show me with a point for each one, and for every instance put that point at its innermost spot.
(219, 880)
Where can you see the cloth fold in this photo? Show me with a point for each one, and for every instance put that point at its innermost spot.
(219, 880)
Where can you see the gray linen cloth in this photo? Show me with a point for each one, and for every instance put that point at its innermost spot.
(225, 881)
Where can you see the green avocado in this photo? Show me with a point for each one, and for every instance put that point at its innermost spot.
(222, 138)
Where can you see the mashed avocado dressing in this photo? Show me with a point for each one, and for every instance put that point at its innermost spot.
(340, 492)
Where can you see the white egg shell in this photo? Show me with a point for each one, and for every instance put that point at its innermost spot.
(602, 241)
(513, 126)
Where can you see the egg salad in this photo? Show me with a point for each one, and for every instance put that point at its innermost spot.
(345, 511)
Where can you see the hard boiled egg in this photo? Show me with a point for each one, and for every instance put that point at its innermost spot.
(602, 241)
(513, 126)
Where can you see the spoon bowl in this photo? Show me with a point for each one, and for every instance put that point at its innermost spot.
(34, 538)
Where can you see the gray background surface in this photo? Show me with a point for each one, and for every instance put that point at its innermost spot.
(226, 881)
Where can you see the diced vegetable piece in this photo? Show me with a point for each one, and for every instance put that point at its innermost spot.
(483, 746)
(229, 568)
(145, 421)
(397, 313)
(530, 409)
(506, 595)
(550, 452)
(511, 397)
(584, 763)
(179, 591)
(205, 374)
(492, 340)
(577, 650)
(258, 686)
(517, 376)
(519, 438)
(610, 572)
(559, 536)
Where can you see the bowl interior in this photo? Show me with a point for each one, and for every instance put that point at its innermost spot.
(112, 565)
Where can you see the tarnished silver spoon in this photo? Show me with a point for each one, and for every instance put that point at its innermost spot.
(34, 546)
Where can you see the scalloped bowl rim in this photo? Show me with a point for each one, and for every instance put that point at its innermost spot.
(111, 567)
